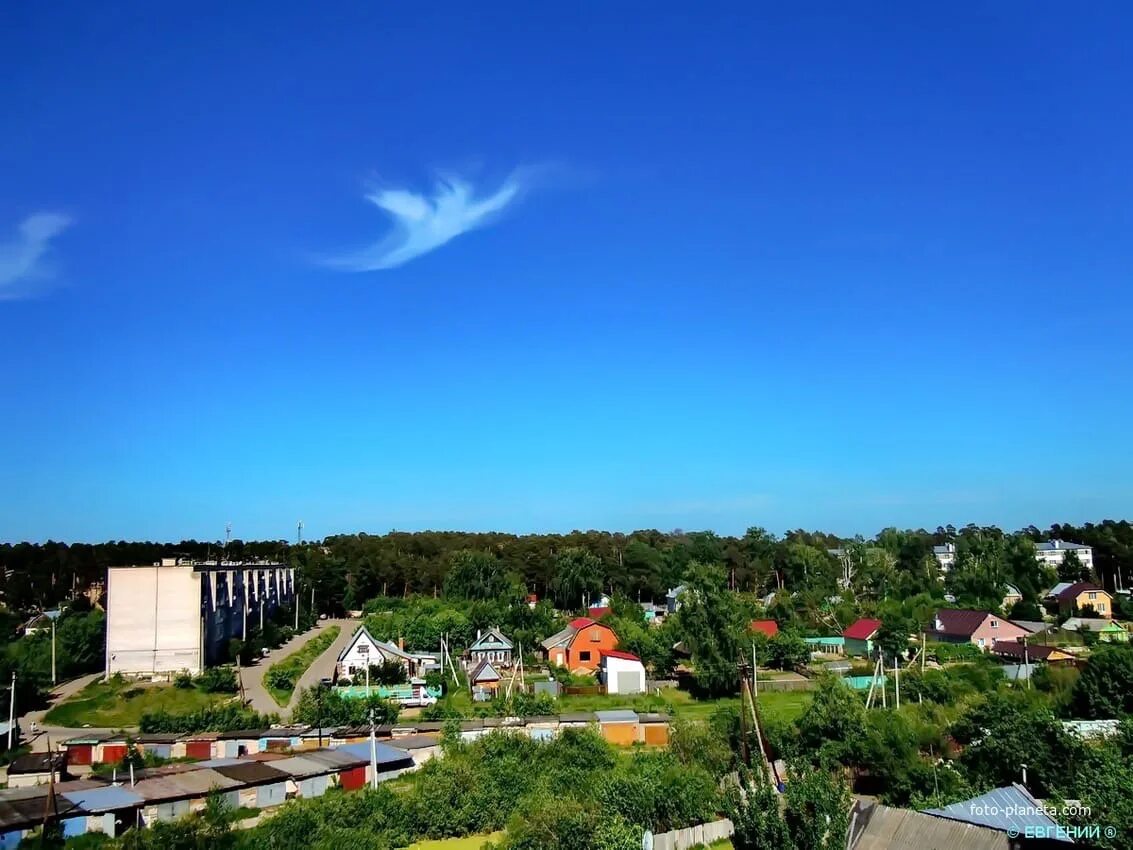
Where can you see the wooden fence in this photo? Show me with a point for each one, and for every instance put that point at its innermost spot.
(702, 833)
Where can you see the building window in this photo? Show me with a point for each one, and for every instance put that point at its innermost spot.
(595, 636)
(1093, 595)
(584, 655)
(995, 624)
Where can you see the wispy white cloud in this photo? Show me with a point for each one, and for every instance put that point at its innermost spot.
(21, 259)
(424, 223)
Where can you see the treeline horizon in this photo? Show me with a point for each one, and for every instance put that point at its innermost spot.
(346, 570)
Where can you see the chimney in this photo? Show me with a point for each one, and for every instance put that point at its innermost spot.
(477, 634)
(401, 643)
(1056, 543)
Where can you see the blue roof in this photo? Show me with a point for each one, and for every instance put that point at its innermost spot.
(220, 762)
(1049, 545)
(621, 715)
(385, 753)
(104, 799)
(1005, 809)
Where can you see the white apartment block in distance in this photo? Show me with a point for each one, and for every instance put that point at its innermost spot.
(1049, 553)
(177, 616)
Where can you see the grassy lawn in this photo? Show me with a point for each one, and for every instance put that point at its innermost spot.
(118, 705)
(296, 664)
(468, 842)
(782, 706)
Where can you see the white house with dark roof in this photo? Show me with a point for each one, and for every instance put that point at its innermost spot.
(945, 555)
(364, 650)
(491, 646)
(1051, 553)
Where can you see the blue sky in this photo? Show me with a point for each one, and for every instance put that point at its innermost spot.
(722, 265)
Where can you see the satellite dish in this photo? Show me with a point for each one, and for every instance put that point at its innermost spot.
(647, 840)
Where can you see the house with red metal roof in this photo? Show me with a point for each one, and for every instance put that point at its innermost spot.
(580, 645)
(860, 637)
(764, 627)
(982, 628)
(622, 672)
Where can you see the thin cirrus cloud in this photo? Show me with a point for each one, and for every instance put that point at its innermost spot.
(21, 259)
(424, 223)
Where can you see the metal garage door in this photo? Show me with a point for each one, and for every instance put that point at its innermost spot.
(628, 682)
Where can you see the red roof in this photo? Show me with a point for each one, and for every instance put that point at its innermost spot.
(958, 622)
(598, 613)
(767, 627)
(617, 653)
(581, 623)
(1075, 589)
(863, 629)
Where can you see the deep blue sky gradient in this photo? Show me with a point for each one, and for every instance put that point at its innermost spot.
(791, 266)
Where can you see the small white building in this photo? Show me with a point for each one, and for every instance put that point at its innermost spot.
(622, 672)
(364, 650)
(945, 555)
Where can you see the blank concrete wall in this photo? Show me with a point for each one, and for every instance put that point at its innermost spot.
(153, 620)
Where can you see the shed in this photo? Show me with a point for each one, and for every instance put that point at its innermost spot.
(109, 808)
(859, 637)
(618, 726)
(160, 744)
(111, 749)
(198, 746)
(622, 672)
(420, 748)
(262, 784)
(654, 729)
(37, 769)
(391, 761)
(1011, 810)
(877, 827)
(80, 749)
(240, 742)
(281, 739)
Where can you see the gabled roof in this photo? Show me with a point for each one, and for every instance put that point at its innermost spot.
(1012, 590)
(580, 623)
(863, 629)
(959, 622)
(1091, 624)
(766, 627)
(1011, 809)
(1060, 545)
(1057, 589)
(484, 672)
(385, 647)
(1034, 651)
(1072, 591)
(881, 827)
(559, 638)
(491, 636)
(617, 653)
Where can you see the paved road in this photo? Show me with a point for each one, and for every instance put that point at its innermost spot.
(323, 666)
(56, 733)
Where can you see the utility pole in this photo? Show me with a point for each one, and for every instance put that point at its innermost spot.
(897, 679)
(881, 666)
(1026, 670)
(373, 749)
(54, 678)
(12, 711)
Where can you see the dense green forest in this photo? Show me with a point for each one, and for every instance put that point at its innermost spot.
(345, 571)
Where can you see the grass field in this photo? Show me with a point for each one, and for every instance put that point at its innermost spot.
(468, 842)
(296, 664)
(783, 706)
(118, 704)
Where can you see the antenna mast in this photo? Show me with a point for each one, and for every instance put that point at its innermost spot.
(227, 538)
(299, 534)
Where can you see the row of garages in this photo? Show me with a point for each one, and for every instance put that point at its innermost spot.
(172, 791)
(619, 727)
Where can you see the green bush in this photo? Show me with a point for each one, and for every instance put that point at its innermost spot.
(218, 680)
(216, 718)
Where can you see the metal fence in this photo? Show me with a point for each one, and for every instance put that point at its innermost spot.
(702, 833)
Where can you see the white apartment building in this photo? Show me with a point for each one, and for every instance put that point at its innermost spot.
(1052, 552)
(177, 616)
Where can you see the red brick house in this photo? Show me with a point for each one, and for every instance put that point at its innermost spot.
(580, 645)
(982, 628)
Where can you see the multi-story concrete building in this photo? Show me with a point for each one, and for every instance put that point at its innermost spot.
(178, 616)
(1052, 553)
